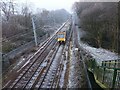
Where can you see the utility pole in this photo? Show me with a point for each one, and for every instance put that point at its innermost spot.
(34, 31)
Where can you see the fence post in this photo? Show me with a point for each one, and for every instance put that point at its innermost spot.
(97, 73)
(114, 78)
(93, 65)
(34, 31)
(103, 72)
(115, 64)
(110, 63)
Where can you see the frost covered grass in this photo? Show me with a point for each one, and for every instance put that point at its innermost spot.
(99, 54)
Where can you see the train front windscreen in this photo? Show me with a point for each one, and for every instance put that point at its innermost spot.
(61, 36)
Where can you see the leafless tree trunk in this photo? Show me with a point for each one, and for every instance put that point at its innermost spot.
(8, 8)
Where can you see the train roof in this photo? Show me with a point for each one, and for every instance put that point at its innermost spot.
(63, 32)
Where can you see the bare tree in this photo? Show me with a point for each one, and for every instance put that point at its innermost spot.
(27, 16)
(8, 8)
(100, 20)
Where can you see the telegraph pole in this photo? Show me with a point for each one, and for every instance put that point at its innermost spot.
(34, 31)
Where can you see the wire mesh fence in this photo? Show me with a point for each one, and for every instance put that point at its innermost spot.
(107, 74)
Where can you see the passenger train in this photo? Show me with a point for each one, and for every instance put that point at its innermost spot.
(61, 37)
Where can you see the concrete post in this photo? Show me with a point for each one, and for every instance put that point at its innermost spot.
(34, 31)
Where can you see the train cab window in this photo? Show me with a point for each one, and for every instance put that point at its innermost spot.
(60, 36)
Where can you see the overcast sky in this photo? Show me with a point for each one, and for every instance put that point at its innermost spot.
(53, 4)
(49, 4)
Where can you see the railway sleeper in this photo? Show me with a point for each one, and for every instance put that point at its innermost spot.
(20, 75)
(53, 74)
(37, 86)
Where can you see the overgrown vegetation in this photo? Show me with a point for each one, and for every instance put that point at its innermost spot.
(100, 21)
(17, 27)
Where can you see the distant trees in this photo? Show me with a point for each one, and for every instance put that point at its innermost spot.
(44, 17)
(17, 23)
(60, 15)
(53, 17)
(8, 8)
(12, 22)
(100, 21)
(26, 20)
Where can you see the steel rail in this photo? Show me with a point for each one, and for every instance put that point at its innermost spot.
(40, 71)
(27, 69)
(48, 67)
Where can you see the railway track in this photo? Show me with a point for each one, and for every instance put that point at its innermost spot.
(29, 78)
(30, 69)
(33, 73)
(43, 67)
(53, 70)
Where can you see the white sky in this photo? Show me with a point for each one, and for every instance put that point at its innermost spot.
(49, 4)
(53, 4)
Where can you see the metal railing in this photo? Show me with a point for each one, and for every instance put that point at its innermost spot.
(107, 74)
